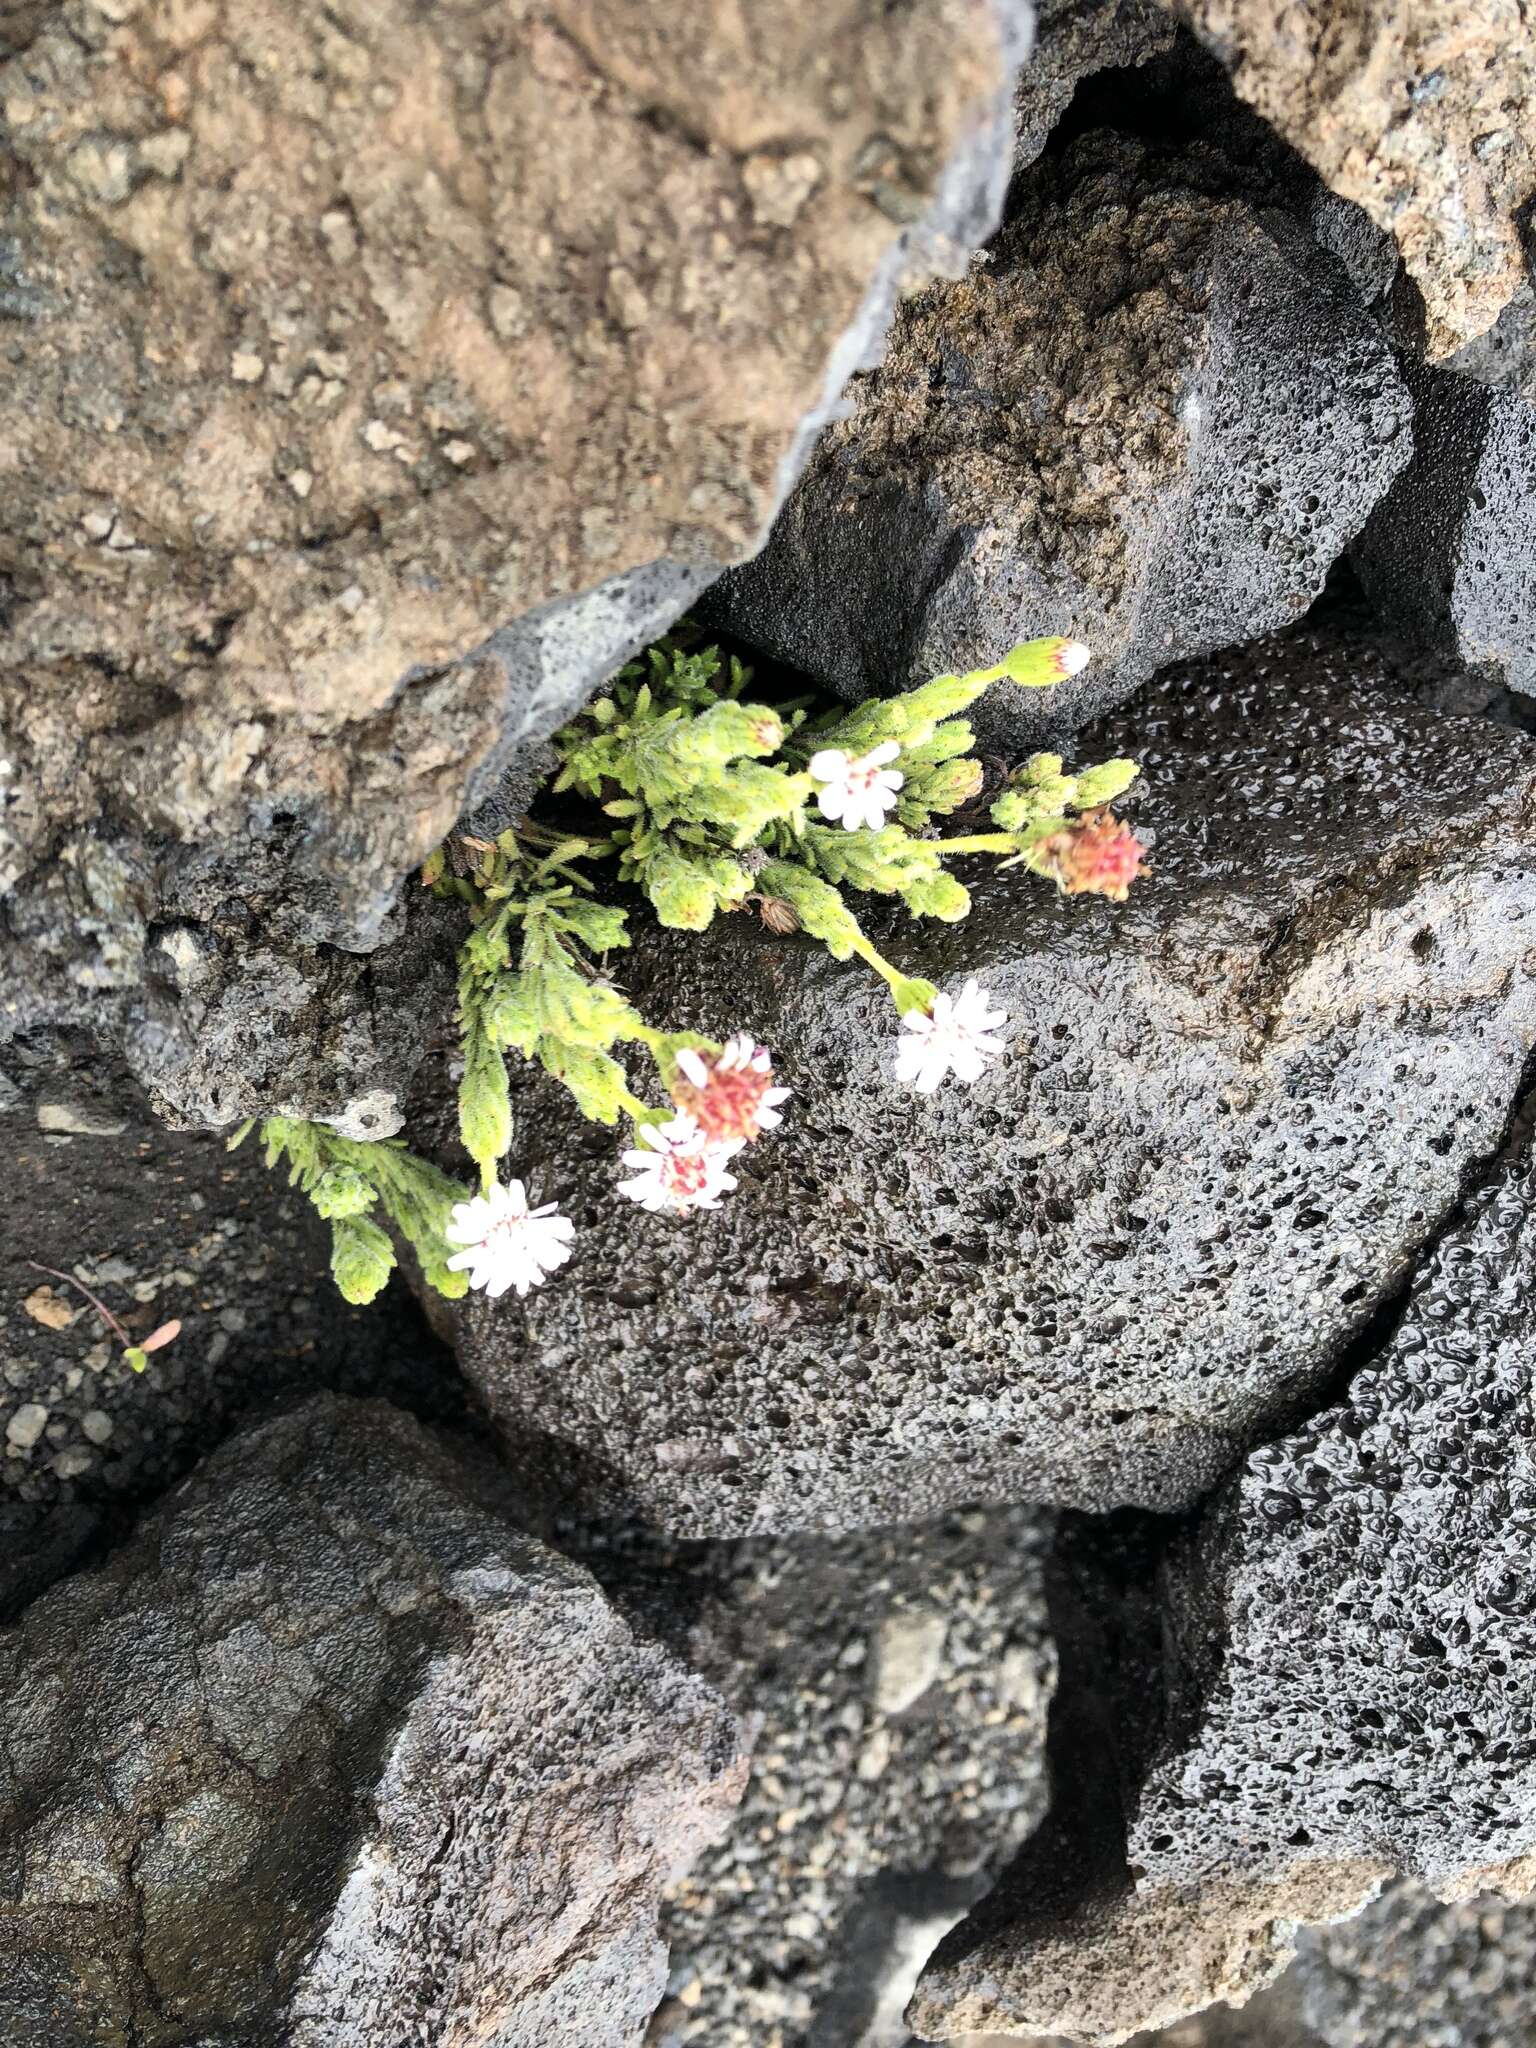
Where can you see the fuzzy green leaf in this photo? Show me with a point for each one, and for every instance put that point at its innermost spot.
(485, 1103)
(362, 1258)
(342, 1191)
(595, 1079)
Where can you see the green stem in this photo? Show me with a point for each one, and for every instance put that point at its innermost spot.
(982, 842)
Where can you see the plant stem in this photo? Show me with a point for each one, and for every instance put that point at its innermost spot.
(96, 1302)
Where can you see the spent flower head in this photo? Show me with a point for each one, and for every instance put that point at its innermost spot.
(1094, 855)
(857, 789)
(507, 1243)
(729, 1094)
(678, 1168)
(955, 1035)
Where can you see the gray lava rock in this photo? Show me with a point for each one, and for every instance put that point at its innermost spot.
(1351, 1636)
(332, 1754)
(1231, 1112)
(1412, 1972)
(901, 1681)
(1151, 419)
(1447, 554)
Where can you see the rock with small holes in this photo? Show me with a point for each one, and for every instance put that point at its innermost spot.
(1448, 553)
(333, 1754)
(1151, 420)
(1349, 1684)
(1230, 1112)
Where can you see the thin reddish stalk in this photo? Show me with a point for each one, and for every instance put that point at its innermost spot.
(95, 1300)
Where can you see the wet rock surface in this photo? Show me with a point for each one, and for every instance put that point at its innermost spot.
(1151, 419)
(901, 1680)
(1448, 552)
(364, 1761)
(1348, 1633)
(1231, 1112)
(302, 317)
(159, 1225)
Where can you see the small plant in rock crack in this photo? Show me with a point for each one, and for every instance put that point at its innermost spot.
(352, 1182)
(706, 802)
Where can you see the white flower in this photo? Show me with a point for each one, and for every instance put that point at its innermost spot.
(956, 1037)
(858, 788)
(507, 1244)
(678, 1168)
(730, 1094)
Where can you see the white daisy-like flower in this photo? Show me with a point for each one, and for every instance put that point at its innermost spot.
(507, 1244)
(857, 788)
(729, 1094)
(677, 1167)
(955, 1037)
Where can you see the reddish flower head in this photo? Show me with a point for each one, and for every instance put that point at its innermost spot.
(1094, 855)
(730, 1095)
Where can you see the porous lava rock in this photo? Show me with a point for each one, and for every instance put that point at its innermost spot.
(901, 1680)
(1151, 419)
(1423, 112)
(1229, 1114)
(1447, 554)
(1074, 39)
(332, 1754)
(1349, 1636)
(373, 383)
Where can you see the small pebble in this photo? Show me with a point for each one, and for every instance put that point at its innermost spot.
(27, 1425)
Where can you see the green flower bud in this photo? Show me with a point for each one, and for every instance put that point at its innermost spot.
(1103, 784)
(682, 892)
(938, 895)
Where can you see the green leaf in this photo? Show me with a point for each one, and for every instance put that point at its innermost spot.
(362, 1258)
(342, 1191)
(136, 1358)
(1101, 785)
(601, 926)
(485, 1102)
(595, 1079)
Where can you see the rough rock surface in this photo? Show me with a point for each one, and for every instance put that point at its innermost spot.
(1073, 40)
(901, 1682)
(160, 1225)
(1505, 357)
(373, 383)
(1231, 1112)
(332, 1754)
(1423, 112)
(1411, 1972)
(1350, 1634)
(1448, 553)
(1151, 419)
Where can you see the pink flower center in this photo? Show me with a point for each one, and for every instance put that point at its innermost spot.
(726, 1105)
(685, 1173)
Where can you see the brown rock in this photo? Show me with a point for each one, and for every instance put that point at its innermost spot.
(336, 348)
(1422, 111)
